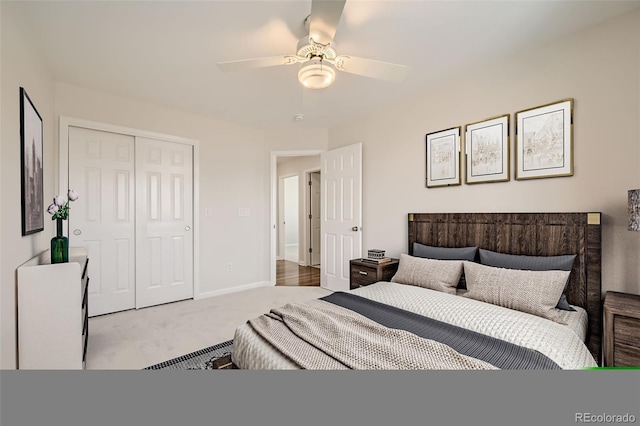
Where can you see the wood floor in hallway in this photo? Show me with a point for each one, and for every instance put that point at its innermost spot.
(291, 274)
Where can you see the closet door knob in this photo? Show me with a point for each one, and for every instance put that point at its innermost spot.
(77, 232)
(187, 228)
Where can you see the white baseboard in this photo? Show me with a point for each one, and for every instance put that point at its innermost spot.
(204, 295)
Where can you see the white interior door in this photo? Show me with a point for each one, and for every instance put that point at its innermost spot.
(101, 171)
(164, 215)
(341, 177)
(315, 235)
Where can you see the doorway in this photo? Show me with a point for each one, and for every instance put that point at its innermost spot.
(340, 212)
(290, 261)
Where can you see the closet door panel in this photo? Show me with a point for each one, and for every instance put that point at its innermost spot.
(102, 171)
(164, 214)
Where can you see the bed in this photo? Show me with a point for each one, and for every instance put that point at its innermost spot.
(401, 325)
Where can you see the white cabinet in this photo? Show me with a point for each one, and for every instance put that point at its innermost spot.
(53, 325)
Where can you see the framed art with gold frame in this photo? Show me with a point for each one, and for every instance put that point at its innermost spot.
(487, 150)
(544, 141)
(443, 158)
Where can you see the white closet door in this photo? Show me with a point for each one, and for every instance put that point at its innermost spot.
(341, 178)
(101, 170)
(164, 216)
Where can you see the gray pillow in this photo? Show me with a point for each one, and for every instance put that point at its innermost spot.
(532, 263)
(447, 253)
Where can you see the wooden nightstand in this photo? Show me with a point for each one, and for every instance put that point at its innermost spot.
(621, 329)
(365, 273)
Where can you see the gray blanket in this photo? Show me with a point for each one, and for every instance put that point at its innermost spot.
(321, 335)
(502, 354)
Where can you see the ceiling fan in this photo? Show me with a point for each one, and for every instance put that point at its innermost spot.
(316, 52)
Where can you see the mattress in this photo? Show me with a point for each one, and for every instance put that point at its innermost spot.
(564, 344)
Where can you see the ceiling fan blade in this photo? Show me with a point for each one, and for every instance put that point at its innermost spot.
(325, 15)
(244, 64)
(371, 68)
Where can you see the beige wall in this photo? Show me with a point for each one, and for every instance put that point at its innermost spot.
(23, 65)
(234, 173)
(599, 68)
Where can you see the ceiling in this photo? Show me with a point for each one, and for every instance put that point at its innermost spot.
(166, 52)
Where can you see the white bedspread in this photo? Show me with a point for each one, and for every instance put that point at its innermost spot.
(561, 343)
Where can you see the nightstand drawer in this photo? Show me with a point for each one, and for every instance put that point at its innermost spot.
(626, 356)
(627, 331)
(363, 275)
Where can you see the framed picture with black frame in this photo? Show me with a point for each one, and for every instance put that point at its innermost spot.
(544, 141)
(31, 161)
(443, 158)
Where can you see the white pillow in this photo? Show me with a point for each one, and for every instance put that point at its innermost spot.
(534, 292)
(441, 275)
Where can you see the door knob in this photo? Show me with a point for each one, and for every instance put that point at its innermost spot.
(187, 228)
(77, 232)
(355, 228)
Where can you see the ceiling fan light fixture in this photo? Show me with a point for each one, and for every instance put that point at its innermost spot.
(317, 56)
(316, 75)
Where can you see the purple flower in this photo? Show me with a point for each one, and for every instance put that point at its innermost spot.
(53, 209)
(60, 207)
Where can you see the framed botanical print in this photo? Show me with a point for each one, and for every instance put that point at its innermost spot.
(443, 158)
(544, 141)
(31, 166)
(487, 150)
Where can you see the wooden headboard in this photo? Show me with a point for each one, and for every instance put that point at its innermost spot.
(533, 234)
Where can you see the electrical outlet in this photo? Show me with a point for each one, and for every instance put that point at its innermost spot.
(229, 266)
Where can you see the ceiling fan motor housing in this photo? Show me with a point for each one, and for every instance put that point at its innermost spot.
(307, 48)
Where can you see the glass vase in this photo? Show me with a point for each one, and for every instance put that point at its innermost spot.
(59, 245)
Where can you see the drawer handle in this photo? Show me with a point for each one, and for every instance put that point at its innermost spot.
(363, 273)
